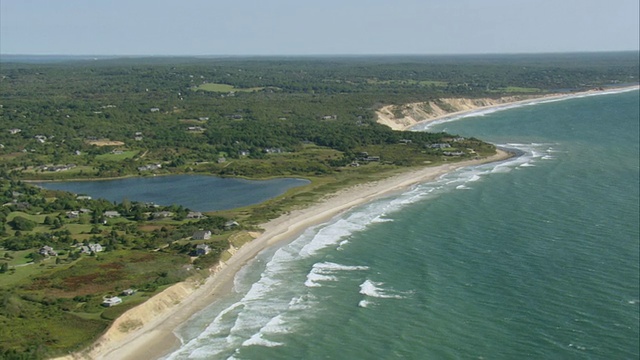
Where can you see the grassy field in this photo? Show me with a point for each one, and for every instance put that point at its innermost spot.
(118, 156)
(224, 88)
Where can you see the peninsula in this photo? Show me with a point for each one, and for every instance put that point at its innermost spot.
(77, 269)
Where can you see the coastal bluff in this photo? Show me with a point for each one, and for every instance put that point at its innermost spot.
(402, 117)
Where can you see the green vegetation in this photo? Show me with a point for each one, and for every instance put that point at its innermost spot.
(255, 118)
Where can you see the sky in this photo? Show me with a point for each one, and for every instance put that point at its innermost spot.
(316, 27)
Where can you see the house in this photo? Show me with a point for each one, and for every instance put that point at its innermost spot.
(47, 251)
(128, 292)
(150, 167)
(162, 214)
(83, 197)
(91, 248)
(57, 168)
(73, 214)
(453, 153)
(202, 249)
(231, 224)
(194, 215)
(201, 235)
(154, 109)
(111, 214)
(330, 117)
(14, 131)
(112, 301)
(195, 129)
(221, 160)
(405, 141)
(243, 153)
(364, 156)
(439, 146)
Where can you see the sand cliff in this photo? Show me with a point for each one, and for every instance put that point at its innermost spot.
(414, 113)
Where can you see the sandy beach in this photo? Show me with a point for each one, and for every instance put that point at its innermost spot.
(415, 113)
(146, 332)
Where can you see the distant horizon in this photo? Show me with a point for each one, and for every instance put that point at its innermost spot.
(322, 54)
(331, 27)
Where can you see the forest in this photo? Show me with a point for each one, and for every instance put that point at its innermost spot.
(62, 254)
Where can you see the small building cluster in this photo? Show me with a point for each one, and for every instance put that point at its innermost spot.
(47, 251)
(56, 168)
(149, 167)
(440, 146)
(194, 215)
(91, 248)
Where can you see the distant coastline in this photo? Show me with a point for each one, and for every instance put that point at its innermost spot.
(164, 312)
(414, 117)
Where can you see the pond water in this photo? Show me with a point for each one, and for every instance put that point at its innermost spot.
(196, 192)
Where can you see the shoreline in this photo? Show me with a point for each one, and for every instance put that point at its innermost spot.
(403, 125)
(160, 315)
(164, 312)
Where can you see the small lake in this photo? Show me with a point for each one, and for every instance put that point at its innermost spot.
(196, 192)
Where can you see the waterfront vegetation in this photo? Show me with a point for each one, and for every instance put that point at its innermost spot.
(249, 117)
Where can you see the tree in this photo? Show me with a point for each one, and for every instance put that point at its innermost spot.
(21, 223)
(4, 267)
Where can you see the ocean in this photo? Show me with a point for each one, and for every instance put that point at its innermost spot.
(536, 257)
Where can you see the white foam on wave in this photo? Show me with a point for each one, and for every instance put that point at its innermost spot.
(374, 289)
(275, 302)
(340, 229)
(342, 245)
(324, 271)
(259, 340)
(462, 187)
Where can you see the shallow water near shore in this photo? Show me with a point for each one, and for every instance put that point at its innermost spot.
(534, 257)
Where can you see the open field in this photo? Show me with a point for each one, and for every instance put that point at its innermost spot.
(224, 88)
(118, 156)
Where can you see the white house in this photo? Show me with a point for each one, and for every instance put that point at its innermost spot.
(112, 301)
(201, 235)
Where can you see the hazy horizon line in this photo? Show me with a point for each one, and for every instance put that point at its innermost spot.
(324, 54)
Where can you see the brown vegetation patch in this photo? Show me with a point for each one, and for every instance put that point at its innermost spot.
(142, 258)
(149, 228)
(112, 266)
(105, 142)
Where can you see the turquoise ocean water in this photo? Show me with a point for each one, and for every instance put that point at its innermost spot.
(536, 257)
